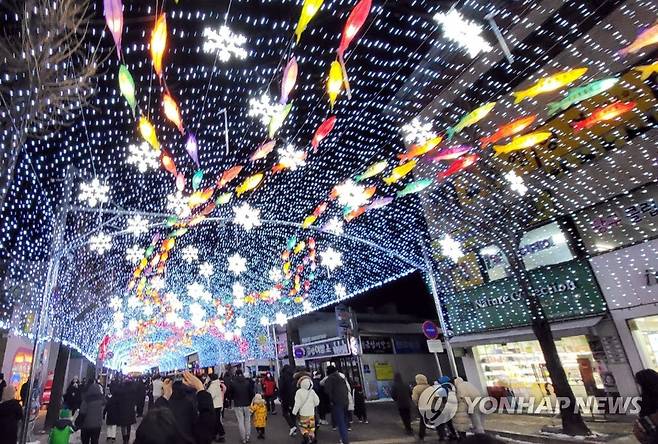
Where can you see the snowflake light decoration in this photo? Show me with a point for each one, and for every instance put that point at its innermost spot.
(158, 283)
(178, 204)
(173, 301)
(225, 42)
(147, 310)
(246, 216)
(238, 290)
(340, 291)
(516, 183)
(196, 291)
(143, 157)
(263, 108)
(134, 254)
(197, 314)
(264, 321)
(275, 274)
(100, 243)
(118, 320)
(133, 324)
(206, 269)
(465, 33)
(334, 226)
(241, 322)
(116, 303)
(451, 248)
(291, 158)
(280, 319)
(134, 302)
(275, 294)
(307, 306)
(94, 192)
(190, 254)
(351, 194)
(417, 131)
(137, 225)
(331, 259)
(237, 264)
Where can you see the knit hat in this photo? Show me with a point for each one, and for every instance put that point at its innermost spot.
(258, 399)
(65, 414)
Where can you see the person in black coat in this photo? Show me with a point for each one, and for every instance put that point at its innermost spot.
(73, 396)
(111, 412)
(10, 415)
(401, 394)
(323, 407)
(287, 392)
(644, 427)
(140, 396)
(125, 408)
(182, 408)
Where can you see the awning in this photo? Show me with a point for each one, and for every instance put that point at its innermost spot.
(559, 329)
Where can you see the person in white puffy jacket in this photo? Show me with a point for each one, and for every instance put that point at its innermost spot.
(306, 400)
(217, 390)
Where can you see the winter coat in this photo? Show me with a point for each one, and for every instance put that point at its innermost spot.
(92, 407)
(259, 414)
(216, 390)
(61, 433)
(111, 406)
(183, 409)
(287, 387)
(206, 419)
(73, 397)
(335, 386)
(306, 400)
(401, 393)
(419, 388)
(124, 404)
(323, 408)
(463, 390)
(269, 387)
(10, 414)
(242, 391)
(359, 402)
(202, 426)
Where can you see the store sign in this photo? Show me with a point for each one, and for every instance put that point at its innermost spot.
(344, 321)
(619, 222)
(652, 277)
(410, 344)
(323, 349)
(566, 291)
(376, 345)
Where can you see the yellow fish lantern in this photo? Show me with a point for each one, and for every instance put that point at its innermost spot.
(309, 220)
(400, 171)
(147, 131)
(548, 84)
(249, 183)
(522, 142)
(309, 9)
(646, 70)
(335, 82)
(299, 247)
(172, 112)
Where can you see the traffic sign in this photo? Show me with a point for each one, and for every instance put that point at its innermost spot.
(430, 330)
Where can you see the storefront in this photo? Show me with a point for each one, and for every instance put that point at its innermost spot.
(342, 353)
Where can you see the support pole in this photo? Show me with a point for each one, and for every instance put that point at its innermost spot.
(438, 364)
(276, 353)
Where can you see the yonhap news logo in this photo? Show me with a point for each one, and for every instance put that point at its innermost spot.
(437, 405)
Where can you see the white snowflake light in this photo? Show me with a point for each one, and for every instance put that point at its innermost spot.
(280, 319)
(100, 243)
(225, 42)
(264, 321)
(464, 33)
(137, 225)
(238, 290)
(178, 204)
(275, 294)
(340, 291)
(451, 248)
(307, 306)
(228, 336)
(116, 303)
(275, 274)
(291, 158)
(331, 259)
(158, 283)
(241, 322)
(94, 192)
(197, 314)
(190, 254)
(134, 254)
(206, 269)
(147, 310)
(516, 183)
(143, 157)
(246, 216)
(334, 226)
(134, 302)
(417, 131)
(263, 108)
(351, 194)
(173, 301)
(237, 264)
(133, 324)
(196, 290)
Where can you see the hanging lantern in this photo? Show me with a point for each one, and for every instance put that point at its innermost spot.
(168, 162)
(354, 23)
(335, 82)
(172, 112)
(147, 130)
(127, 86)
(159, 43)
(113, 12)
(192, 148)
(289, 80)
(309, 9)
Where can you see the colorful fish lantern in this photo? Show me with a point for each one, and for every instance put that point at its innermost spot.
(379, 203)
(113, 11)
(309, 220)
(249, 183)
(263, 150)
(354, 23)
(309, 9)
(581, 93)
(229, 175)
(354, 214)
(147, 131)
(289, 80)
(192, 148)
(323, 131)
(335, 82)
(196, 179)
(127, 87)
(604, 114)
(523, 142)
(172, 112)
(551, 83)
(400, 171)
(646, 38)
(373, 170)
(471, 119)
(415, 187)
(168, 162)
(646, 71)
(509, 129)
(180, 182)
(420, 149)
(159, 43)
(223, 198)
(276, 122)
(458, 166)
(319, 210)
(449, 153)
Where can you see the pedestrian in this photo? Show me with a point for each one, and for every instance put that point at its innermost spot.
(258, 386)
(323, 407)
(269, 392)
(306, 401)
(140, 396)
(446, 429)
(73, 397)
(160, 427)
(111, 411)
(258, 411)
(401, 394)
(125, 408)
(335, 385)
(466, 393)
(242, 393)
(287, 397)
(350, 402)
(183, 408)
(3, 384)
(90, 418)
(157, 387)
(645, 428)
(62, 430)
(419, 388)
(10, 415)
(360, 404)
(216, 388)
(23, 392)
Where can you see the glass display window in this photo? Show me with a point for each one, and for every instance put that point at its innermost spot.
(645, 335)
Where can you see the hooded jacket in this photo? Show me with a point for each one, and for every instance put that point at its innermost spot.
(60, 434)
(401, 393)
(306, 400)
(258, 410)
(335, 386)
(92, 407)
(216, 390)
(242, 391)
(419, 388)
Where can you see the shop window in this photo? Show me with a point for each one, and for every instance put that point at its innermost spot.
(645, 335)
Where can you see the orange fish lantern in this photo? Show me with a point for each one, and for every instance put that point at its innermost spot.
(604, 114)
(323, 131)
(420, 149)
(354, 214)
(159, 43)
(508, 130)
(354, 23)
(168, 162)
(285, 255)
(168, 244)
(228, 176)
(319, 210)
(172, 112)
(369, 192)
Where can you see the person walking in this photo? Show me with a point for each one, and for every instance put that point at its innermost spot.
(242, 393)
(73, 397)
(111, 411)
(216, 388)
(647, 380)
(306, 400)
(11, 414)
(3, 383)
(90, 418)
(447, 429)
(269, 392)
(183, 408)
(360, 404)
(323, 407)
(258, 411)
(401, 394)
(62, 430)
(125, 408)
(140, 396)
(419, 388)
(335, 385)
(287, 397)
(466, 395)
